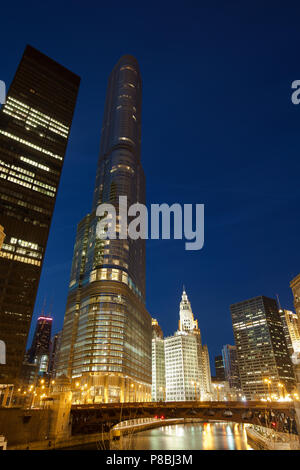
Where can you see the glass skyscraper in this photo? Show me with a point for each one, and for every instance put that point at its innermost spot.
(106, 340)
(35, 123)
(262, 353)
(231, 368)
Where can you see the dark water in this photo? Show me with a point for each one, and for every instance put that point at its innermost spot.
(205, 436)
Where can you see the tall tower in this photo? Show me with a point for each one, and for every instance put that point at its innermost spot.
(35, 123)
(54, 353)
(231, 367)
(40, 349)
(262, 352)
(186, 317)
(106, 338)
(187, 366)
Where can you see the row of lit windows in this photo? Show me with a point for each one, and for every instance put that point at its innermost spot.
(33, 163)
(21, 182)
(29, 144)
(23, 203)
(24, 109)
(113, 275)
(22, 251)
(22, 259)
(121, 167)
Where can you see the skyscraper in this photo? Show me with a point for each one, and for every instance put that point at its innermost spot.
(39, 352)
(34, 129)
(54, 353)
(182, 367)
(107, 333)
(231, 367)
(186, 359)
(291, 330)
(295, 286)
(261, 347)
(219, 367)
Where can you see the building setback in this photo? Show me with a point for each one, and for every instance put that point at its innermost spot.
(106, 340)
(35, 123)
(261, 348)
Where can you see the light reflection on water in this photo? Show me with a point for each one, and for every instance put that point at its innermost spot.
(204, 436)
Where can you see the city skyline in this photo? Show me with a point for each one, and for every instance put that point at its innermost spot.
(226, 217)
(149, 229)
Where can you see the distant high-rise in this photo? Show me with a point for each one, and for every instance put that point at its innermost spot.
(219, 367)
(40, 348)
(156, 329)
(291, 330)
(107, 333)
(261, 348)
(231, 367)
(295, 286)
(35, 123)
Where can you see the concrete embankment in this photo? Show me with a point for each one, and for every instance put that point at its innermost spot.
(266, 440)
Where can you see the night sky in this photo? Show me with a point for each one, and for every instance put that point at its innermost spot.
(218, 128)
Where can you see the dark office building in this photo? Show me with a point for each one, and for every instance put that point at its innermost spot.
(231, 367)
(34, 129)
(107, 333)
(219, 367)
(41, 340)
(261, 348)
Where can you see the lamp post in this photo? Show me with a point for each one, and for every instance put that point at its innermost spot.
(195, 384)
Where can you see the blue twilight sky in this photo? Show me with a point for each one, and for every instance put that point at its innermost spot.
(219, 128)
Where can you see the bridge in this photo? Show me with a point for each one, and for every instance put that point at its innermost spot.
(95, 418)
